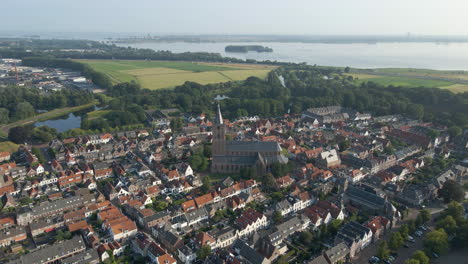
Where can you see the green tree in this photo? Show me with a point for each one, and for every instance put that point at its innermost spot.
(24, 110)
(436, 241)
(396, 241)
(448, 224)
(420, 256)
(19, 134)
(425, 215)
(412, 261)
(206, 184)
(404, 231)
(204, 252)
(452, 191)
(277, 217)
(268, 182)
(455, 210)
(454, 131)
(4, 116)
(415, 111)
(383, 251)
(306, 237)
(160, 206)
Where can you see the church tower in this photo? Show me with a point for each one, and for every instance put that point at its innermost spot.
(219, 135)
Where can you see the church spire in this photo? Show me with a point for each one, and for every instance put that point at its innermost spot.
(219, 117)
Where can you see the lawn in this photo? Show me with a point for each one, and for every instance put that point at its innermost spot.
(409, 82)
(168, 74)
(97, 114)
(8, 146)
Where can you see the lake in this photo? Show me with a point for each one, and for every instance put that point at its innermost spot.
(451, 56)
(67, 122)
(62, 124)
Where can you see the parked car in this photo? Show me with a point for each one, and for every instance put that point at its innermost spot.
(423, 228)
(435, 255)
(374, 259)
(406, 245)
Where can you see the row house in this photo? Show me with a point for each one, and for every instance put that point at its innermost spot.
(250, 221)
(355, 236)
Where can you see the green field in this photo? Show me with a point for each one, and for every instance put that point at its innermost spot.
(167, 74)
(416, 81)
(8, 146)
(97, 114)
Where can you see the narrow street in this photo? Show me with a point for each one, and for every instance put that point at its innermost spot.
(403, 253)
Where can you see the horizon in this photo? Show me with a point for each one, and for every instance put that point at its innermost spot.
(295, 17)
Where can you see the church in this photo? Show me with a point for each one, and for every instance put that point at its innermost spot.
(232, 156)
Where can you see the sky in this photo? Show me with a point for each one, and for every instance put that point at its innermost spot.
(288, 17)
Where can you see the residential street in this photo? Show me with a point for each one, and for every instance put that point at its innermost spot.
(403, 253)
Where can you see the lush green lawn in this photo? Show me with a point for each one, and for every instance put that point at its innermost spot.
(167, 74)
(97, 114)
(408, 82)
(8, 146)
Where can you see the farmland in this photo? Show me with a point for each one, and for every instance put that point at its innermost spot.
(167, 74)
(455, 81)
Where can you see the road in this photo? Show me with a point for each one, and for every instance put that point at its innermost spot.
(403, 253)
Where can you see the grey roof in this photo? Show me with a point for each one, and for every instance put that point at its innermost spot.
(12, 232)
(60, 204)
(85, 257)
(365, 198)
(337, 252)
(46, 254)
(318, 260)
(253, 146)
(247, 253)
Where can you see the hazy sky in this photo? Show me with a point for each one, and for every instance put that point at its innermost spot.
(305, 17)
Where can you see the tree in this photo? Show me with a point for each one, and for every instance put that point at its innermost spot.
(420, 256)
(206, 184)
(269, 182)
(436, 241)
(396, 241)
(204, 252)
(344, 145)
(24, 110)
(412, 261)
(277, 217)
(415, 111)
(160, 206)
(19, 134)
(383, 251)
(452, 191)
(454, 131)
(448, 224)
(306, 237)
(455, 210)
(4, 116)
(425, 215)
(43, 134)
(404, 231)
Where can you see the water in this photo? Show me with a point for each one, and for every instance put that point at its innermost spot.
(62, 124)
(452, 56)
(67, 122)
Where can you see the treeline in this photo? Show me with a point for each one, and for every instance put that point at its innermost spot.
(18, 103)
(67, 49)
(98, 78)
(305, 87)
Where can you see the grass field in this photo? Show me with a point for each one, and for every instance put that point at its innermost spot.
(97, 114)
(417, 81)
(167, 74)
(8, 146)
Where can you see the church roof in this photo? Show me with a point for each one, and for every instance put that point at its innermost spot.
(253, 146)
